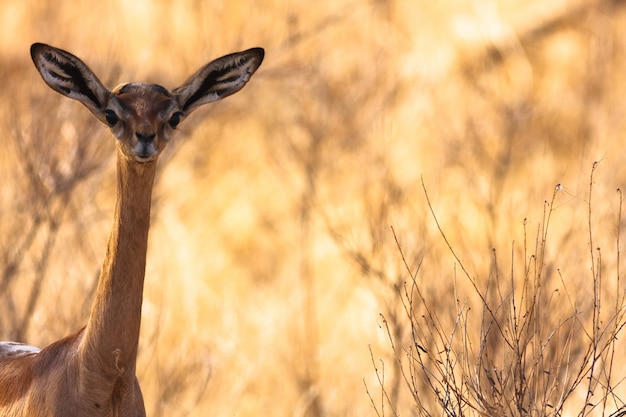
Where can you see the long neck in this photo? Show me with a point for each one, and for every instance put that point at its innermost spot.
(111, 337)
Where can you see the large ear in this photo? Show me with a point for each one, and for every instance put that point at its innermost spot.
(68, 75)
(218, 79)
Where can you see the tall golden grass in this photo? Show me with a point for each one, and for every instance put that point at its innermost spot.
(290, 220)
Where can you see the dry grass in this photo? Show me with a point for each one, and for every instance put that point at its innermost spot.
(538, 351)
(272, 257)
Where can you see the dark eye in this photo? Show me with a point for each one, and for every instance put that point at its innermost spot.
(175, 119)
(111, 117)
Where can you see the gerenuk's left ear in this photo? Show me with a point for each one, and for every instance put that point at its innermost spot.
(68, 75)
(218, 79)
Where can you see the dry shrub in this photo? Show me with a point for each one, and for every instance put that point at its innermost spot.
(539, 350)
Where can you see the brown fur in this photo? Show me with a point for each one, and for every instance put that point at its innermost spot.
(92, 373)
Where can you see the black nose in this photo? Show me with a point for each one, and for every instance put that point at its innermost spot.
(145, 137)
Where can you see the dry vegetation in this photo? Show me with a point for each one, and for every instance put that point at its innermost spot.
(411, 209)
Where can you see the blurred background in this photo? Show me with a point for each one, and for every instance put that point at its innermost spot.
(279, 213)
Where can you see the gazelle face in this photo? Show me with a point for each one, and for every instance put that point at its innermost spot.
(142, 117)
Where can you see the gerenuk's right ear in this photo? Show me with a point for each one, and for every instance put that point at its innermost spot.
(68, 75)
(218, 79)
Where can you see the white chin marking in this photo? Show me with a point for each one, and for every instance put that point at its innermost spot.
(143, 160)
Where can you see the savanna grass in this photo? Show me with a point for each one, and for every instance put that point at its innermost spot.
(530, 356)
